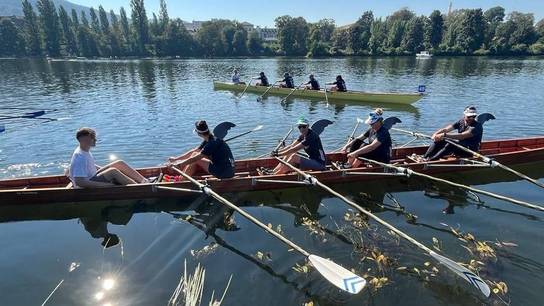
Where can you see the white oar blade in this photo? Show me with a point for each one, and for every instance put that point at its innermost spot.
(259, 127)
(338, 275)
(360, 120)
(465, 273)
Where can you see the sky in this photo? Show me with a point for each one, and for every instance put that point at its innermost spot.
(263, 13)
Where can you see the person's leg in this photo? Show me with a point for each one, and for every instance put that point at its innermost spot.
(114, 175)
(446, 150)
(126, 170)
(434, 148)
(294, 160)
(191, 169)
(310, 164)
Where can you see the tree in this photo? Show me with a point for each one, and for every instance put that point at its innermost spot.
(104, 22)
(394, 36)
(539, 28)
(126, 43)
(378, 37)
(33, 40)
(95, 23)
(472, 31)
(239, 42)
(412, 40)
(254, 43)
(67, 29)
(163, 16)
(494, 14)
(50, 26)
(12, 42)
(404, 14)
(360, 33)
(292, 34)
(340, 37)
(176, 40)
(140, 25)
(436, 28)
(524, 31)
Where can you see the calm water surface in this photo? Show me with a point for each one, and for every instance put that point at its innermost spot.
(144, 112)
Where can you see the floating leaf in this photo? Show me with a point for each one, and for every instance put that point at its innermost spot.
(401, 268)
(427, 264)
(509, 244)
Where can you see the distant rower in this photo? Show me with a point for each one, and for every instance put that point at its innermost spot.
(469, 135)
(339, 84)
(311, 143)
(379, 147)
(236, 77)
(83, 171)
(263, 80)
(312, 84)
(287, 81)
(213, 155)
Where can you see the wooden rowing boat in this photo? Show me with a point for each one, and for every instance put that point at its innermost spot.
(52, 189)
(349, 96)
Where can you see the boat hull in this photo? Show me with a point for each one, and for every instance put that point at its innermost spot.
(52, 189)
(350, 96)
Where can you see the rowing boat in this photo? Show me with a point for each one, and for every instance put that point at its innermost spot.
(53, 189)
(349, 96)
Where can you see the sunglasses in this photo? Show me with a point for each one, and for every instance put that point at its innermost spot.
(302, 127)
(471, 117)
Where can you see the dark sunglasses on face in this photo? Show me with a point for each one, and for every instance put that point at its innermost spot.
(302, 127)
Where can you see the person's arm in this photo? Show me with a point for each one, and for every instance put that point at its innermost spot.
(360, 137)
(439, 134)
(460, 136)
(189, 160)
(86, 183)
(371, 147)
(293, 148)
(288, 147)
(182, 156)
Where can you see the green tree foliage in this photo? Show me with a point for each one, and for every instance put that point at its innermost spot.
(292, 34)
(140, 26)
(32, 30)
(12, 43)
(67, 29)
(255, 43)
(378, 35)
(50, 26)
(463, 32)
(359, 35)
(435, 30)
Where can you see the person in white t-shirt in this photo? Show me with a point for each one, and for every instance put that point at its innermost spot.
(85, 173)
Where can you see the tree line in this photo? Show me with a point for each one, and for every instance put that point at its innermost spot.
(51, 31)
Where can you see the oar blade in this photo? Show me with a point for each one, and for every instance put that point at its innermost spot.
(258, 128)
(338, 275)
(465, 273)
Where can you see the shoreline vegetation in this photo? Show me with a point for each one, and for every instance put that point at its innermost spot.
(47, 31)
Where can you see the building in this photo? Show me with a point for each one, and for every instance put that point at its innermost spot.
(193, 26)
(267, 34)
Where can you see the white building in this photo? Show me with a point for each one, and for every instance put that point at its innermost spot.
(267, 34)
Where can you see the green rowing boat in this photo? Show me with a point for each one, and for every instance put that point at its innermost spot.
(351, 96)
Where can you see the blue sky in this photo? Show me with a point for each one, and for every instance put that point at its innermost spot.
(262, 12)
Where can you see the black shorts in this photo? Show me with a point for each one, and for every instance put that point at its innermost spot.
(221, 172)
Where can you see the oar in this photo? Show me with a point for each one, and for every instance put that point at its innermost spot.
(258, 127)
(292, 91)
(326, 97)
(352, 135)
(334, 273)
(259, 99)
(243, 92)
(282, 142)
(463, 272)
(486, 159)
(33, 115)
(409, 172)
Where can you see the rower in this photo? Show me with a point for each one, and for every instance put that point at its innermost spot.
(379, 147)
(84, 172)
(236, 78)
(469, 135)
(339, 84)
(213, 155)
(312, 84)
(287, 81)
(311, 143)
(263, 80)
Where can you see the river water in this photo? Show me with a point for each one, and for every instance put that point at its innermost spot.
(144, 111)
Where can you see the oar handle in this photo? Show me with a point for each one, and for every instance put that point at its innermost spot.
(207, 190)
(283, 139)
